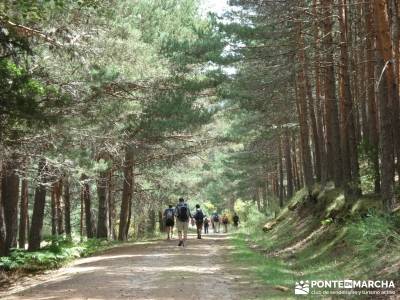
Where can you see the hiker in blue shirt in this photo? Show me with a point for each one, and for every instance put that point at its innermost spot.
(183, 215)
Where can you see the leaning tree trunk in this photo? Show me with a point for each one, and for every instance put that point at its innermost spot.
(10, 196)
(35, 233)
(126, 195)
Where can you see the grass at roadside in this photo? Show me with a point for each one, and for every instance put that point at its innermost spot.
(272, 272)
(305, 244)
(53, 255)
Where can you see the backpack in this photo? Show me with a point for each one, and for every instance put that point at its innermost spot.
(236, 219)
(170, 214)
(215, 218)
(199, 216)
(225, 220)
(206, 221)
(183, 213)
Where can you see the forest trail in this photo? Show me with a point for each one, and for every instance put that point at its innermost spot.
(150, 270)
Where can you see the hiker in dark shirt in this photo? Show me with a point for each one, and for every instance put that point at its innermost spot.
(206, 225)
(183, 215)
(199, 216)
(225, 222)
(215, 221)
(236, 220)
(169, 217)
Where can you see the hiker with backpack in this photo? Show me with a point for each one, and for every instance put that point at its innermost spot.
(199, 216)
(225, 222)
(206, 224)
(183, 215)
(236, 220)
(169, 217)
(215, 222)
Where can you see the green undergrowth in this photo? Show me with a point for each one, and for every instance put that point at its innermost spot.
(325, 238)
(55, 254)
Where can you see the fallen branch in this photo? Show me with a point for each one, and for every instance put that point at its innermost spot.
(25, 31)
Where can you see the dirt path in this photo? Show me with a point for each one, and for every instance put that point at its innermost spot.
(154, 270)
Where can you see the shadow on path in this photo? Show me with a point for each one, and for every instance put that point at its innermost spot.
(160, 270)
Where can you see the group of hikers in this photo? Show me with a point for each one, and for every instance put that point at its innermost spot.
(181, 216)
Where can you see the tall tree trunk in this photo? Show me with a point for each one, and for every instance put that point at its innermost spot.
(313, 121)
(67, 206)
(351, 175)
(35, 232)
(2, 221)
(295, 165)
(302, 108)
(265, 198)
(82, 214)
(111, 205)
(151, 227)
(59, 207)
(289, 168)
(126, 195)
(23, 218)
(280, 170)
(128, 225)
(373, 138)
(54, 212)
(102, 220)
(334, 157)
(360, 77)
(88, 206)
(395, 38)
(258, 197)
(318, 93)
(386, 98)
(10, 196)
(161, 221)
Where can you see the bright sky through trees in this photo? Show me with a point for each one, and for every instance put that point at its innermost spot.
(214, 6)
